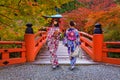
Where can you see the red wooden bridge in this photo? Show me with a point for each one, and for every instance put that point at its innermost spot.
(32, 50)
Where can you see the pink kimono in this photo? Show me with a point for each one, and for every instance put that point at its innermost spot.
(53, 43)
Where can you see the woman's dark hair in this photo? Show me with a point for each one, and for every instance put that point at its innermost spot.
(56, 25)
(72, 23)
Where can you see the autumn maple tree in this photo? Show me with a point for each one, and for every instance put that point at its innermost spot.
(89, 6)
(27, 10)
(14, 14)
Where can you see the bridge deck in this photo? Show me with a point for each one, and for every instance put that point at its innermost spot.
(63, 58)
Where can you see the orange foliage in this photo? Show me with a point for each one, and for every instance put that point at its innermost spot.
(97, 5)
(1, 27)
(108, 18)
(93, 18)
(93, 11)
(79, 16)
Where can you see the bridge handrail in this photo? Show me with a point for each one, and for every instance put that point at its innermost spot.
(38, 37)
(117, 42)
(39, 33)
(97, 49)
(87, 43)
(11, 42)
(106, 50)
(85, 34)
(28, 48)
(111, 49)
(5, 53)
(34, 42)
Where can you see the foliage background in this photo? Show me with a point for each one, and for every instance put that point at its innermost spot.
(105, 12)
(15, 14)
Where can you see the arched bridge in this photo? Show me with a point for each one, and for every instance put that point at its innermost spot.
(33, 44)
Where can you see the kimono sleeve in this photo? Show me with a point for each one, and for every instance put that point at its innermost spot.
(78, 37)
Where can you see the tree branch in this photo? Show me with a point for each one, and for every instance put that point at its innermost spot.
(6, 6)
(19, 3)
(4, 23)
(6, 16)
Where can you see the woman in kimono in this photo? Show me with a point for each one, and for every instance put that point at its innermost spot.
(53, 42)
(71, 41)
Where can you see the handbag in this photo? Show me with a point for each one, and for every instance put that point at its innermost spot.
(76, 53)
(80, 53)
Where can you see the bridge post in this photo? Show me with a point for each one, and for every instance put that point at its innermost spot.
(29, 42)
(97, 42)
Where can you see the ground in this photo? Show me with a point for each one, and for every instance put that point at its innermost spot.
(30, 71)
(41, 69)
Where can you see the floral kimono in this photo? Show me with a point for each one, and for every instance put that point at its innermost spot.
(71, 40)
(53, 42)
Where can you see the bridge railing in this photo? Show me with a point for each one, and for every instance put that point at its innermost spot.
(40, 39)
(34, 42)
(107, 51)
(97, 49)
(12, 55)
(86, 43)
(13, 52)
